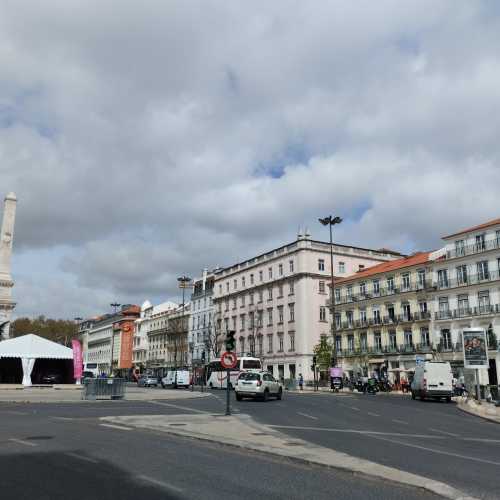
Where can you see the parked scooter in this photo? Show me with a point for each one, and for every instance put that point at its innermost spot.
(336, 384)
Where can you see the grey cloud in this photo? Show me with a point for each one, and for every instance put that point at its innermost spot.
(156, 141)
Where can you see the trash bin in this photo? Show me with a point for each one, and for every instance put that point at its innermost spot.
(103, 388)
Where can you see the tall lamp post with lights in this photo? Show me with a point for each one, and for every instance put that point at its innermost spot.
(115, 306)
(184, 282)
(331, 221)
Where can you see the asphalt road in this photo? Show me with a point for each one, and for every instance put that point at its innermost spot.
(433, 439)
(61, 451)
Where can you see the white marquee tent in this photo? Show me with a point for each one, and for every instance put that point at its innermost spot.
(31, 347)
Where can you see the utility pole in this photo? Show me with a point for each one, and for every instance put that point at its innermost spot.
(184, 282)
(331, 221)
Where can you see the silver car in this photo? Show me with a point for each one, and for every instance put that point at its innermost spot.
(147, 381)
(258, 385)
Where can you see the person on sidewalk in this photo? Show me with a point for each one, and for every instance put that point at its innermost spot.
(301, 382)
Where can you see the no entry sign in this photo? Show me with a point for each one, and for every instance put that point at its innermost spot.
(228, 360)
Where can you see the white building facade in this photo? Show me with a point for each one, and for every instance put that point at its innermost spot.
(200, 320)
(277, 302)
(150, 336)
(466, 280)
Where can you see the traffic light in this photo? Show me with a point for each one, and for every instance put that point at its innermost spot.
(230, 340)
(314, 360)
(203, 357)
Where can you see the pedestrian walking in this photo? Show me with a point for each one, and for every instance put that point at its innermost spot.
(301, 382)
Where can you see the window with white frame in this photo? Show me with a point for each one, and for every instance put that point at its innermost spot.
(260, 315)
(242, 321)
(227, 286)
(280, 291)
(261, 275)
(234, 303)
(462, 274)
(376, 287)
(280, 314)
(291, 311)
(270, 293)
(251, 279)
(421, 279)
(443, 278)
(424, 336)
(269, 317)
(321, 265)
(463, 304)
(337, 294)
(280, 342)
(480, 242)
(235, 284)
(291, 288)
(270, 273)
(349, 292)
(243, 300)
(226, 324)
(321, 287)
(405, 281)
(270, 343)
(482, 270)
(261, 295)
(322, 313)
(280, 269)
(291, 340)
(290, 263)
(362, 315)
(459, 248)
(250, 299)
(362, 288)
(349, 316)
(341, 267)
(483, 299)
(260, 344)
(243, 282)
(390, 284)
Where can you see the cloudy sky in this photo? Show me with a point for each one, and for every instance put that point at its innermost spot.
(146, 140)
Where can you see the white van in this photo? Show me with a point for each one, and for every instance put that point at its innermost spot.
(433, 379)
(176, 378)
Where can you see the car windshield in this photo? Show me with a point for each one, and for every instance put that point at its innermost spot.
(249, 376)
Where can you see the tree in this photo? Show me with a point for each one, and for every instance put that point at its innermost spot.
(57, 330)
(214, 337)
(323, 352)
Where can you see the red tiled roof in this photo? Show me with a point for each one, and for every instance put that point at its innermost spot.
(493, 222)
(412, 260)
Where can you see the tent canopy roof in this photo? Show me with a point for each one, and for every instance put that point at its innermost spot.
(33, 346)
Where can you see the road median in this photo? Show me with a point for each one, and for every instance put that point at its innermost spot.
(243, 432)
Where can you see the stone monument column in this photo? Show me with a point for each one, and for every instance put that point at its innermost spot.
(6, 283)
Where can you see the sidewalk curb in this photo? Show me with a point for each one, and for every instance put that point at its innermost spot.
(305, 452)
(466, 409)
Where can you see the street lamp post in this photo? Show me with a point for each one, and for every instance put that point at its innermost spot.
(115, 306)
(184, 282)
(331, 221)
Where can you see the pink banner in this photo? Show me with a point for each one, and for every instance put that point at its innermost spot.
(77, 359)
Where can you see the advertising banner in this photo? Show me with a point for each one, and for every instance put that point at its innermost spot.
(126, 346)
(475, 345)
(77, 359)
(336, 372)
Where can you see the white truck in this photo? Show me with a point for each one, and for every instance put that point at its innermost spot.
(433, 380)
(176, 378)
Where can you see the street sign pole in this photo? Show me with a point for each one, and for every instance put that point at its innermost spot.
(228, 403)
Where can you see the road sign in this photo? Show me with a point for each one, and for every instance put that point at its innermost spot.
(228, 360)
(419, 360)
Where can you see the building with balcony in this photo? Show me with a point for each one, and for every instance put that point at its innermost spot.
(152, 319)
(107, 340)
(466, 284)
(277, 302)
(201, 332)
(383, 317)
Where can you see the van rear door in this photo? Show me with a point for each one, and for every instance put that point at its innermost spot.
(439, 377)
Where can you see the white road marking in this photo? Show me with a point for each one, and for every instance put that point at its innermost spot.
(373, 414)
(443, 432)
(439, 452)
(14, 412)
(161, 484)
(354, 408)
(62, 418)
(82, 457)
(22, 441)
(119, 427)
(179, 407)
(399, 421)
(307, 416)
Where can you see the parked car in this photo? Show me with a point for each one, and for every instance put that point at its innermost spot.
(176, 379)
(433, 379)
(257, 385)
(147, 381)
(52, 378)
(88, 374)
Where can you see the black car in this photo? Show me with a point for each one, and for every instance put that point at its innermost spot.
(52, 378)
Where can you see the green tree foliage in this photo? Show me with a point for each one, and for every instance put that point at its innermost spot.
(57, 330)
(323, 352)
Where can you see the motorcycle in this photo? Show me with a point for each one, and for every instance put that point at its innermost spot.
(336, 384)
